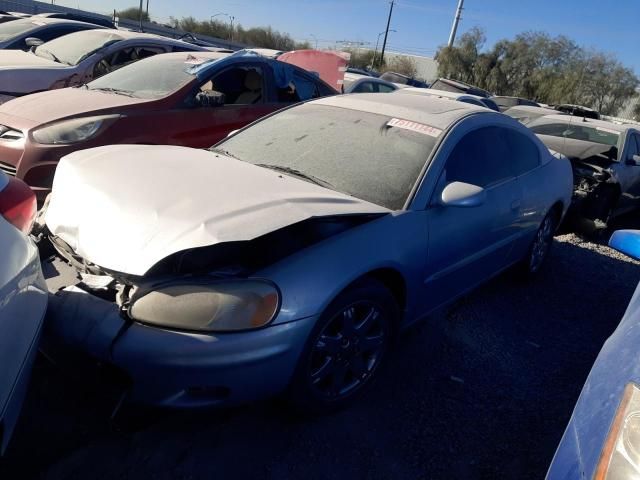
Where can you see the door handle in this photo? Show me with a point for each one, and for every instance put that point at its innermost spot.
(515, 204)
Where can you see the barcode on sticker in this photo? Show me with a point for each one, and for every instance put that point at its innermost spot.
(414, 127)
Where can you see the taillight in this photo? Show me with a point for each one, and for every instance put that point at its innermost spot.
(18, 204)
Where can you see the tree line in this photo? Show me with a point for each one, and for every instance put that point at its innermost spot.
(540, 67)
(263, 37)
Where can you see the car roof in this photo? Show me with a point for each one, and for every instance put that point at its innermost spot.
(583, 121)
(42, 21)
(439, 93)
(205, 55)
(428, 110)
(125, 35)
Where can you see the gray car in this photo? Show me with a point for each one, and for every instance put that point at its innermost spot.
(14, 34)
(289, 256)
(606, 164)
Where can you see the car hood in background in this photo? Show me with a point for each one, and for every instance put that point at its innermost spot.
(54, 105)
(126, 207)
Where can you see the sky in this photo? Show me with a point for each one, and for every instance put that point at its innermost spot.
(421, 25)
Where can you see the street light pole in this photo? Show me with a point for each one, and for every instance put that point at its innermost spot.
(231, 19)
(375, 52)
(386, 32)
(456, 20)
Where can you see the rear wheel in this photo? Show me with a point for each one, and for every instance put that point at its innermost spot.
(540, 247)
(345, 349)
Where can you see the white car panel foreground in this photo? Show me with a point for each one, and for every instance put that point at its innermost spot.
(23, 300)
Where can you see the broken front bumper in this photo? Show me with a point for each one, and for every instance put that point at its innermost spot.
(175, 368)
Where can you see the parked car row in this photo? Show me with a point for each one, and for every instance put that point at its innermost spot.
(285, 258)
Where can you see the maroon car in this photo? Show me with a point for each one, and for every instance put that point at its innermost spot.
(190, 99)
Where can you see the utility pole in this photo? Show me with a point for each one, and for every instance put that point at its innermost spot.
(147, 8)
(140, 15)
(386, 33)
(456, 20)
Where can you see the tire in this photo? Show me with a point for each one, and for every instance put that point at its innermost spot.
(345, 349)
(540, 247)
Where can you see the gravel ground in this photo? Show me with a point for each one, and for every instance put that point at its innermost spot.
(483, 390)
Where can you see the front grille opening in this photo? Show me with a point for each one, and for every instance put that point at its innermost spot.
(8, 169)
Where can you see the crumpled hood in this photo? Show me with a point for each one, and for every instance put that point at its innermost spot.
(126, 207)
(578, 149)
(24, 72)
(55, 105)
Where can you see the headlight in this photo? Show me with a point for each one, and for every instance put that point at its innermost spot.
(207, 306)
(620, 457)
(72, 131)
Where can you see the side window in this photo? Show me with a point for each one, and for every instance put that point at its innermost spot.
(122, 57)
(240, 85)
(305, 87)
(52, 33)
(480, 158)
(382, 88)
(635, 145)
(365, 87)
(524, 154)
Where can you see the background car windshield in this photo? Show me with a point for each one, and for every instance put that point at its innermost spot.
(14, 28)
(152, 78)
(578, 132)
(75, 47)
(356, 152)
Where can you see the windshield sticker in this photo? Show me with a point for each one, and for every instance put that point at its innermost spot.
(414, 127)
(602, 129)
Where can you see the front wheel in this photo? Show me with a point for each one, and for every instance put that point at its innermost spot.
(540, 247)
(345, 348)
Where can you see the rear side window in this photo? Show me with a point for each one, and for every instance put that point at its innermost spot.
(364, 87)
(525, 154)
(480, 158)
(382, 88)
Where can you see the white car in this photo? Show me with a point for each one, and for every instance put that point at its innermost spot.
(23, 300)
(460, 97)
(78, 58)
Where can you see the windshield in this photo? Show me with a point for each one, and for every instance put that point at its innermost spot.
(15, 28)
(578, 131)
(151, 78)
(73, 48)
(357, 153)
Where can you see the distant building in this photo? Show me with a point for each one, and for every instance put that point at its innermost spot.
(427, 67)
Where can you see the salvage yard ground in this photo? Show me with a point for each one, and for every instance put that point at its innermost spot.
(483, 391)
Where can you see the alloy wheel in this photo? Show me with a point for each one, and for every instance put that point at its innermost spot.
(541, 244)
(348, 350)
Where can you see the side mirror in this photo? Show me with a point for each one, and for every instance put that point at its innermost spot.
(460, 194)
(627, 242)
(634, 161)
(33, 42)
(209, 98)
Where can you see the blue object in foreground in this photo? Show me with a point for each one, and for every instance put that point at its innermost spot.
(602, 439)
(627, 242)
